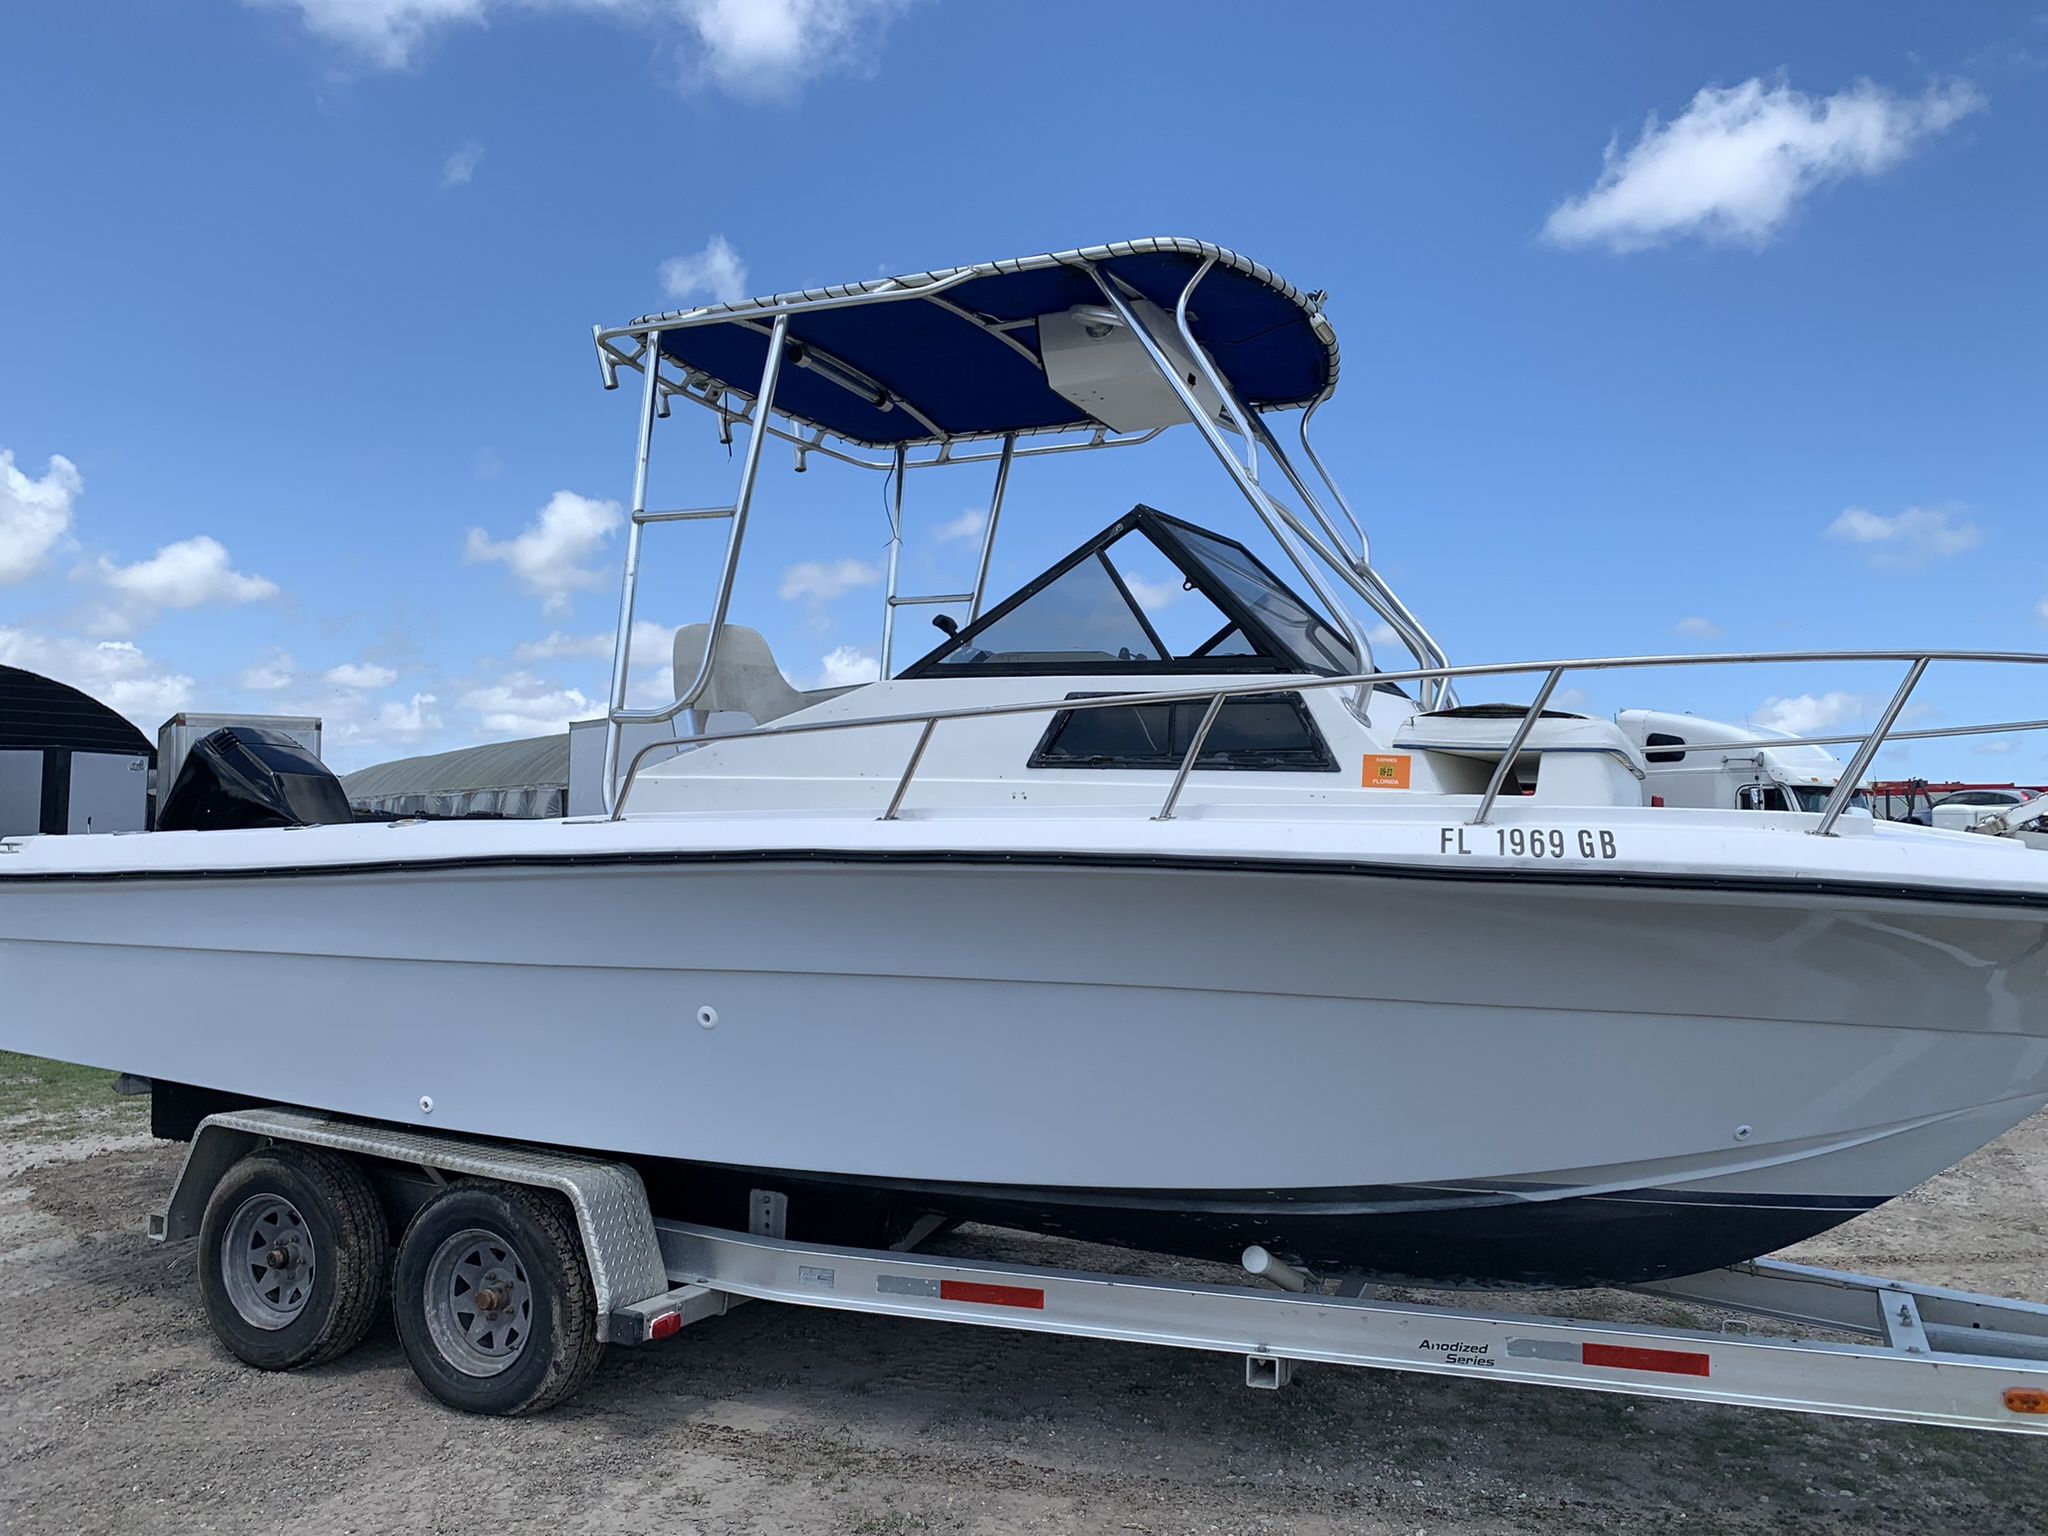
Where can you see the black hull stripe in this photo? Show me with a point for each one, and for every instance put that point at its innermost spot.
(1878, 890)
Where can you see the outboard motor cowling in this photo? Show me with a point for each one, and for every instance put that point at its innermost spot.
(245, 776)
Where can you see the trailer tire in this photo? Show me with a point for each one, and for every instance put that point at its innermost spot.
(534, 1341)
(313, 1292)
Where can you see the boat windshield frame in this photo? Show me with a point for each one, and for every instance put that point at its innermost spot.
(1270, 652)
(1176, 342)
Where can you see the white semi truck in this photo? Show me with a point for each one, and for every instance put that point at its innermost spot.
(1698, 762)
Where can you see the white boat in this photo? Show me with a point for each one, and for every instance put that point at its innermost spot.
(1182, 935)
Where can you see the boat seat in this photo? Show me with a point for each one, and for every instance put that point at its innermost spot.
(744, 678)
(1574, 759)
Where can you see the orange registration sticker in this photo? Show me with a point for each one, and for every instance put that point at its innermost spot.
(1386, 770)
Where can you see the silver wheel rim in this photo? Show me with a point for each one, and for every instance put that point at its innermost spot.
(479, 1302)
(267, 1261)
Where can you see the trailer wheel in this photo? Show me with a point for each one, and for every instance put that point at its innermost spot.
(294, 1255)
(494, 1301)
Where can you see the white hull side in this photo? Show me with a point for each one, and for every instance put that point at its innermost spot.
(1088, 1027)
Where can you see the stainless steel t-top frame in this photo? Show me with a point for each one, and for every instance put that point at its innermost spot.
(1315, 545)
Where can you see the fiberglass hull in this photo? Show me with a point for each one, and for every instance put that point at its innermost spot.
(1497, 1079)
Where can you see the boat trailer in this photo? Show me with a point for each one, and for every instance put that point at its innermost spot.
(1927, 1356)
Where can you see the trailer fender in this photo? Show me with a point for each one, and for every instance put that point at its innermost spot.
(608, 1199)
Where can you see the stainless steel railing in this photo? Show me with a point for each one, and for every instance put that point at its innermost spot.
(1867, 744)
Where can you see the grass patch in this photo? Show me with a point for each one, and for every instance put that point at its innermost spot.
(35, 1092)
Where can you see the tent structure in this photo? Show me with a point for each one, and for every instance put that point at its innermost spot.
(68, 763)
(527, 778)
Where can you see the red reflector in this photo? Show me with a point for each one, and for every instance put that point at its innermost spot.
(992, 1295)
(666, 1326)
(1623, 1357)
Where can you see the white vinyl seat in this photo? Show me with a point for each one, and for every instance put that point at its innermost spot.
(744, 677)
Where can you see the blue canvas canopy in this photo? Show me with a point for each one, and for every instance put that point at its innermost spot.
(964, 356)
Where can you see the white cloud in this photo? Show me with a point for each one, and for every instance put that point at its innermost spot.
(968, 525)
(546, 557)
(762, 49)
(558, 645)
(1695, 627)
(1908, 538)
(766, 49)
(1806, 713)
(115, 672)
(1732, 166)
(521, 704)
(270, 676)
(385, 31)
(460, 167)
(1152, 595)
(649, 640)
(717, 272)
(1993, 746)
(35, 515)
(848, 666)
(819, 581)
(409, 720)
(359, 674)
(354, 730)
(192, 573)
(1381, 634)
(652, 679)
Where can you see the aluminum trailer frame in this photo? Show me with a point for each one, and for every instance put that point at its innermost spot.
(1936, 1356)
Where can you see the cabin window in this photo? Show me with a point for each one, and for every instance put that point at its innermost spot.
(1663, 739)
(1266, 733)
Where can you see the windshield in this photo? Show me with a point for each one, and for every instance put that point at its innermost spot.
(1109, 605)
(1293, 621)
(1086, 615)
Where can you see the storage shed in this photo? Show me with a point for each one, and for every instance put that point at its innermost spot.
(68, 763)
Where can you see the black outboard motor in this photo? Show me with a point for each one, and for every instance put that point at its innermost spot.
(245, 776)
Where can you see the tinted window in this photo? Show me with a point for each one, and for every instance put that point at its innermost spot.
(1271, 733)
(1664, 739)
(1108, 606)
(1083, 615)
(1984, 797)
(1293, 623)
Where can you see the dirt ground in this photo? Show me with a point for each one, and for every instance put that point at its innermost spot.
(119, 1412)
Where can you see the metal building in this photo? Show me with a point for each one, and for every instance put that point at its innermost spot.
(68, 763)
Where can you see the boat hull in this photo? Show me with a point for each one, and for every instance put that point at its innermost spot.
(1351, 1067)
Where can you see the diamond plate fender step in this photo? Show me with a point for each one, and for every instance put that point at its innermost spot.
(608, 1199)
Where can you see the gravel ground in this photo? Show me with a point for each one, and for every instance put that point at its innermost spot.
(119, 1413)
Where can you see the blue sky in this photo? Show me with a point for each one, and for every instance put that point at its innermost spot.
(1665, 328)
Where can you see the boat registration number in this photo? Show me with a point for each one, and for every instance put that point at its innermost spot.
(1530, 842)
